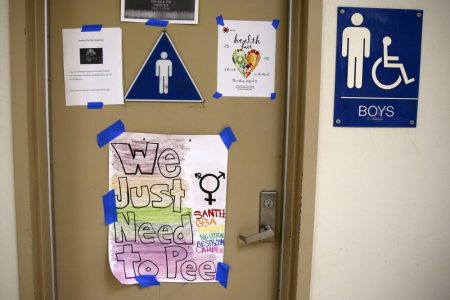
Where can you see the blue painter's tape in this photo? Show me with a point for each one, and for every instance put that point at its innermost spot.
(217, 95)
(273, 96)
(222, 274)
(92, 27)
(147, 280)
(109, 207)
(228, 137)
(110, 133)
(157, 22)
(95, 105)
(219, 20)
(275, 23)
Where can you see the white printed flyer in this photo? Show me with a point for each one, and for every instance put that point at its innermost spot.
(246, 59)
(93, 66)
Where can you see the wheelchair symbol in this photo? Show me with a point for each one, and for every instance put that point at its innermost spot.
(389, 62)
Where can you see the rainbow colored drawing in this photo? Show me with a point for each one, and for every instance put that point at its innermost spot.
(171, 206)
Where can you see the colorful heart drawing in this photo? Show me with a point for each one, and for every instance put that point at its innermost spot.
(246, 63)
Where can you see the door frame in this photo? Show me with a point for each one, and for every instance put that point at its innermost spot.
(302, 122)
(32, 152)
(28, 94)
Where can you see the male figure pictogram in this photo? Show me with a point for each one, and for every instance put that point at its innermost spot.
(163, 71)
(355, 46)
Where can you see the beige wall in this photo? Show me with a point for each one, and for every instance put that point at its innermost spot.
(382, 205)
(8, 249)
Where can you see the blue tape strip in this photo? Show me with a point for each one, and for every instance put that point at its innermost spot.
(228, 137)
(147, 280)
(95, 105)
(109, 207)
(222, 274)
(157, 22)
(275, 23)
(217, 95)
(219, 20)
(273, 96)
(110, 133)
(92, 27)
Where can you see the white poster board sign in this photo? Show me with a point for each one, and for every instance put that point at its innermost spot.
(170, 193)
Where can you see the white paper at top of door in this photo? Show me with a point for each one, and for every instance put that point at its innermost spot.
(174, 11)
(246, 59)
(93, 66)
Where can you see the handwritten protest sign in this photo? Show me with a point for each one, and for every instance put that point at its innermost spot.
(171, 206)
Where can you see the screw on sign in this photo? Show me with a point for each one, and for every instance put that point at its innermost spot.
(209, 184)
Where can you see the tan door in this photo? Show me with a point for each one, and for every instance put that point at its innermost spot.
(80, 168)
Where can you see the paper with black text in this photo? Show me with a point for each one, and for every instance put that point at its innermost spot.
(93, 66)
(246, 59)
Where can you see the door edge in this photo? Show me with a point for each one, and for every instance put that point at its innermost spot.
(302, 124)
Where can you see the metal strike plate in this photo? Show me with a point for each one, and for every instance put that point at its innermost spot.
(268, 212)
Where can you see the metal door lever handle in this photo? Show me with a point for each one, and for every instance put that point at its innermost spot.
(266, 232)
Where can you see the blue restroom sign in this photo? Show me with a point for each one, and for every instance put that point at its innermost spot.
(164, 77)
(377, 67)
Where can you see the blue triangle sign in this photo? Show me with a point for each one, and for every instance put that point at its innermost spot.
(163, 77)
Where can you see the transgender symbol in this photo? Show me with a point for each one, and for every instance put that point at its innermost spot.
(209, 184)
